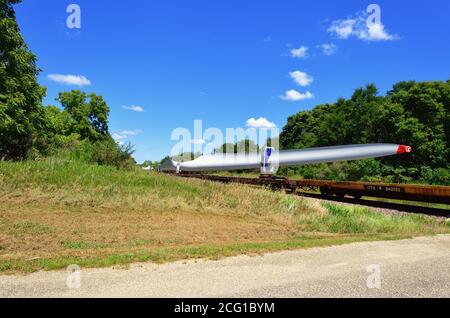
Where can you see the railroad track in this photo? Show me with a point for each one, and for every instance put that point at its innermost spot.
(383, 205)
(352, 192)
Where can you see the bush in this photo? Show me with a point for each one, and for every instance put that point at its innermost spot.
(437, 176)
(103, 152)
(108, 152)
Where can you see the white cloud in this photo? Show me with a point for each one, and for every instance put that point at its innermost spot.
(260, 123)
(328, 49)
(118, 136)
(293, 95)
(301, 52)
(134, 108)
(376, 32)
(131, 132)
(359, 27)
(301, 78)
(342, 28)
(124, 134)
(77, 80)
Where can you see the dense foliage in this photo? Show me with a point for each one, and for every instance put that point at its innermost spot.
(30, 130)
(80, 131)
(20, 94)
(412, 113)
(241, 146)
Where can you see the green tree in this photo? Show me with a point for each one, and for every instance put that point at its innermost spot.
(226, 148)
(242, 146)
(21, 111)
(246, 146)
(57, 121)
(303, 129)
(186, 156)
(425, 121)
(88, 114)
(147, 163)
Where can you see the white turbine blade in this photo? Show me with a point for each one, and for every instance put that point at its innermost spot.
(223, 162)
(333, 154)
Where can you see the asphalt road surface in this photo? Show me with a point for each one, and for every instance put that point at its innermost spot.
(410, 268)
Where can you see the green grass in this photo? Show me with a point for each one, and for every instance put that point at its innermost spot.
(79, 245)
(345, 219)
(57, 212)
(54, 174)
(74, 183)
(30, 228)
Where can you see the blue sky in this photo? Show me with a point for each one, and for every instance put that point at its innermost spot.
(225, 62)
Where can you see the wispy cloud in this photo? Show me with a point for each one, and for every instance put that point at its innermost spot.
(124, 134)
(342, 28)
(78, 80)
(328, 49)
(131, 132)
(134, 108)
(293, 95)
(301, 52)
(301, 78)
(260, 123)
(359, 27)
(118, 137)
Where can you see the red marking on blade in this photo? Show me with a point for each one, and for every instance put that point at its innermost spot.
(403, 149)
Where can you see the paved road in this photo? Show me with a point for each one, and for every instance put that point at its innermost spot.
(418, 267)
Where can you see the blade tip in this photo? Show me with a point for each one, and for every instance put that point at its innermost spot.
(402, 149)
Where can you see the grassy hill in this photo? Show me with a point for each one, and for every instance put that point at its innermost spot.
(56, 212)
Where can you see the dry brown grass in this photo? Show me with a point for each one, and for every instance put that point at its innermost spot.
(112, 230)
